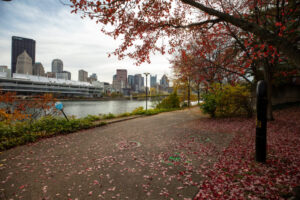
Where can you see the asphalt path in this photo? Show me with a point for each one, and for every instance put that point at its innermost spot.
(155, 157)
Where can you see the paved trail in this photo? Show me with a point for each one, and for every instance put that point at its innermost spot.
(156, 157)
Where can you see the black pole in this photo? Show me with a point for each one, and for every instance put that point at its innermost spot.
(146, 91)
(62, 110)
(261, 121)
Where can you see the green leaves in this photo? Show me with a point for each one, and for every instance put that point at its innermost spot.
(227, 101)
(23, 132)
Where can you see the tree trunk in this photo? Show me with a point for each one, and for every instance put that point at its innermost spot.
(268, 78)
(189, 94)
(198, 92)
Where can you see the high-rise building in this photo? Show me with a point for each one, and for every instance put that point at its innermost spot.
(131, 81)
(68, 74)
(153, 81)
(24, 64)
(164, 81)
(38, 69)
(93, 78)
(82, 76)
(20, 44)
(120, 80)
(138, 82)
(57, 66)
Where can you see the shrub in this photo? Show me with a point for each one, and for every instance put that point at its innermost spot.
(108, 116)
(92, 118)
(138, 111)
(172, 101)
(209, 104)
(23, 132)
(227, 100)
(124, 114)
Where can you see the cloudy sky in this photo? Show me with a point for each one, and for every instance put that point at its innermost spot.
(78, 42)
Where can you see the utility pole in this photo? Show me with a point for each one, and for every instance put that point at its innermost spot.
(146, 73)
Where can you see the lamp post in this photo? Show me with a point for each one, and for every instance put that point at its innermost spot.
(147, 73)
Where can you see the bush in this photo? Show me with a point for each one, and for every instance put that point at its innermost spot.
(172, 101)
(138, 111)
(227, 101)
(92, 118)
(23, 132)
(124, 114)
(108, 116)
(209, 104)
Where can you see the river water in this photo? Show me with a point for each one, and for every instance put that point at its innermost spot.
(84, 108)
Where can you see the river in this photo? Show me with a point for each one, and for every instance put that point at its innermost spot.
(84, 108)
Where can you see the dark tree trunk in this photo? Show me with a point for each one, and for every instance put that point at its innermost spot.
(189, 94)
(268, 75)
(198, 92)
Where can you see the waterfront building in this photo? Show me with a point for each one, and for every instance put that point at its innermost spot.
(4, 71)
(120, 80)
(57, 66)
(24, 64)
(19, 45)
(153, 81)
(164, 81)
(130, 81)
(138, 83)
(50, 75)
(82, 75)
(62, 75)
(69, 74)
(24, 84)
(94, 77)
(38, 69)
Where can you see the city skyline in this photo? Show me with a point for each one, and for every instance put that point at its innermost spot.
(60, 34)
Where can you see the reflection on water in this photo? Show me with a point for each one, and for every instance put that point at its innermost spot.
(84, 108)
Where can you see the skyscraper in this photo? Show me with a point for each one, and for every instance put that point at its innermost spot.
(82, 75)
(131, 81)
(57, 66)
(18, 46)
(138, 82)
(164, 81)
(24, 64)
(38, 69)
(120, 80)
(153, 81)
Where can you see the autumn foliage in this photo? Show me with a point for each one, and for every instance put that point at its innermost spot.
(13, 109)
(148, 26)
(236, 175)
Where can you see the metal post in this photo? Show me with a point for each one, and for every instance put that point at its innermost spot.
(261, 121)
(146, 89)
(62, 110)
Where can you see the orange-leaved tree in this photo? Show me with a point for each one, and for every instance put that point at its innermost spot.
(14, 108)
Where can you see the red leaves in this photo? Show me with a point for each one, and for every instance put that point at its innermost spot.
(236, 174)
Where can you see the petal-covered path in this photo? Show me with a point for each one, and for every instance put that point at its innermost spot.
(156, 157)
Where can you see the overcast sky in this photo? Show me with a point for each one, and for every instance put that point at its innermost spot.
(78, 42)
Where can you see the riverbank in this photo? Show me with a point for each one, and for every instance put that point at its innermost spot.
(20, 133)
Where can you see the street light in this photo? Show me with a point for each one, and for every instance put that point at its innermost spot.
(147, 73)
